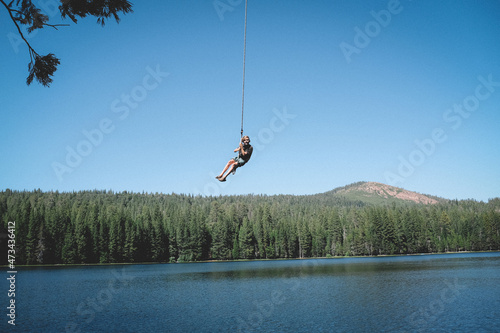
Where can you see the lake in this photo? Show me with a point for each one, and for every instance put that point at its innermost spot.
(421, 293)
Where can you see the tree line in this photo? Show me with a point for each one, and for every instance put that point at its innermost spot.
(107, 227)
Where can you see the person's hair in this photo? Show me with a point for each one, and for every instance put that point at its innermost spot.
(245, 137)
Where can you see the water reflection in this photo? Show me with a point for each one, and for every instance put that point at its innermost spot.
(328, 267)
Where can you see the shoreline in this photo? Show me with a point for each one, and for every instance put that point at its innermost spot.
(242, 260)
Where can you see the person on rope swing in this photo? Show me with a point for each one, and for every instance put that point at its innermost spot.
(244, 153)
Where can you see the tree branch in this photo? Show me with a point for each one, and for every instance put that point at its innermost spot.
(18, 28)
(56, 25)
(41, 68)
(26, 13)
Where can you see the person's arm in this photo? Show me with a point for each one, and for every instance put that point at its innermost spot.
(239, 148)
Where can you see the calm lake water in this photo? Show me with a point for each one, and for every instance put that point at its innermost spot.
(425, 293)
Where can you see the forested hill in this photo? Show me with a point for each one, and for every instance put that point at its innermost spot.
(380, 194)
(359, 219)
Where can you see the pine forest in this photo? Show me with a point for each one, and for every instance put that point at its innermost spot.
(106, 227)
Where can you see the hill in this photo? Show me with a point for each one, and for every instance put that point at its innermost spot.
(378, 193)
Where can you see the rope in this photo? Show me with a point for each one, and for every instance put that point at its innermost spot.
(244, 60)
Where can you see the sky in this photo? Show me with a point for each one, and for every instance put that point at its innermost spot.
(405, 93)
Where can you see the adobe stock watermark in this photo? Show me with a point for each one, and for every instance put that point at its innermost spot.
(373, 28)
(120, 107)
(280, 120)
(87, 309)
(223, 6)
(453, 116)
(421, 319)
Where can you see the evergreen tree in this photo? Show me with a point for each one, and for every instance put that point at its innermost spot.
(236, 247)
(305, 240)
(32, 240)
(69, 250)
(246, 240)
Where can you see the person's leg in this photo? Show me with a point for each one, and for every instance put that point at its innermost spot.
(230, 163)
(231, 169)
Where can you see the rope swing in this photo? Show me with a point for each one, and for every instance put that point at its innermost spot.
(244, 56)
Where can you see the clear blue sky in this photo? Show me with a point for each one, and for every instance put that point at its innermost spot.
(400, 92)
